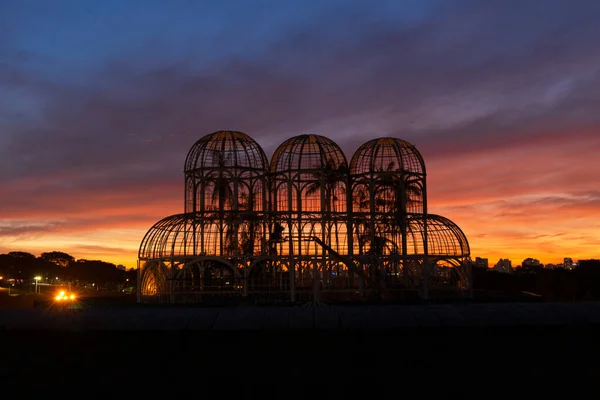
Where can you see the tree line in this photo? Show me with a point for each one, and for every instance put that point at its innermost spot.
(581, 283)
(56, 265)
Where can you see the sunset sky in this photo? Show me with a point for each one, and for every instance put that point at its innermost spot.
(101, 100)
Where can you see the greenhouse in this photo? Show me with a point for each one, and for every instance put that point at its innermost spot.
(307, 227)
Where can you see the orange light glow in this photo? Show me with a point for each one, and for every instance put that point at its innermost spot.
(62, 296)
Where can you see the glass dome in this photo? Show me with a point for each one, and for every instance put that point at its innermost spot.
(226, 170)
(307, 152)
(387, 155)
(225, 149)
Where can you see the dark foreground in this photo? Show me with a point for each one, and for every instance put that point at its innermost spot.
(338, 318)
(377, 350)
(373, 362)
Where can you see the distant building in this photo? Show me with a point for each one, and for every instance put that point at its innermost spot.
(532, 263)
(122, 267)
(481, 262)
(568, 263)
(504, 266)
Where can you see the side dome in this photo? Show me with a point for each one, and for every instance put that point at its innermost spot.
(307, 152)
(225, 149)
(444, 237)
(167, 238)
(387, 155)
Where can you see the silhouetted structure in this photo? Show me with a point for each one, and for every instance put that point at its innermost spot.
(306, 226)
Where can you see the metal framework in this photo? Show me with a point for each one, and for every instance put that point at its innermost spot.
(307, 226)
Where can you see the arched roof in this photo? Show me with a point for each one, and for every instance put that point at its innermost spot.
(444, 237)
(387, 154)
(167, 237)
(307, 152)
(225, 149)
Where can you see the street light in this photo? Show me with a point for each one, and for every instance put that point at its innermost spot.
(37, 279)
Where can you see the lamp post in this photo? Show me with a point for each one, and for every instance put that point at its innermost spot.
(37, 279)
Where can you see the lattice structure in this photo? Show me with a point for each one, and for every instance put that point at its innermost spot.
(305, 227)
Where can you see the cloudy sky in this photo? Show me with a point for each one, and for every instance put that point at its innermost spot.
(101, 100)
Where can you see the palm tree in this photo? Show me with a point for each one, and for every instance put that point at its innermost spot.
(222, 196)
(222, 193)
(390, 195)
(231, 242)
(249, 216)
(326, 179)
(393, 193)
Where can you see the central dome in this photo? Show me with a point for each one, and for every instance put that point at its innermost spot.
(307, 152)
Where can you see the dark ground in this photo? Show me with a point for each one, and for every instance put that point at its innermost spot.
(310, 363)
(541, 360)
(342, 362)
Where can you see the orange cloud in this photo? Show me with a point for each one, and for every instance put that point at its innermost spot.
(537, 201)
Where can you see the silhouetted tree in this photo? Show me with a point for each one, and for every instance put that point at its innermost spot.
(21, 255)
(96, 271)
(21, 265)
(222, 197)
(58, 257)
(326, 179)
(250, 220)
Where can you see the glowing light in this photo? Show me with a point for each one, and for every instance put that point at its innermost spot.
(62, 296)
